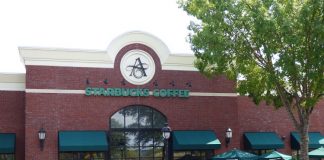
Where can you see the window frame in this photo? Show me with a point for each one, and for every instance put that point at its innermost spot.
(203, 154)
(139, 129)
(78, 152)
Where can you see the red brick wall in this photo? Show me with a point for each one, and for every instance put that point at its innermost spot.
(12, 118)
(267, 118)
(57, 112)
(78, 112)
(317, 118)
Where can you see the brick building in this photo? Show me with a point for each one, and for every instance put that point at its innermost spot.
(112, 105)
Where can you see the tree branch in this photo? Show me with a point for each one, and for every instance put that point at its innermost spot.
(287, 104)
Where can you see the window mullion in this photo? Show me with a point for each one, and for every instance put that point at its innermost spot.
(150, 131)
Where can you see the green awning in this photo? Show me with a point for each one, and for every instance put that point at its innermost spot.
(7, 143)
(72, 141)
(316, 140)
(195, 140)
(262, 140)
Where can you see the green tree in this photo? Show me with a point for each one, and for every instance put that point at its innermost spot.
(274, 49)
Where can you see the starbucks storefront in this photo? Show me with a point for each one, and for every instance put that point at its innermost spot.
(112, 104)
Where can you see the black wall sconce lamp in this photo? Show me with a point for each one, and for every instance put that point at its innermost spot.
(283, 138)
(228, 136)
(189, 84)
(87, 81)
(155, 83)
(105, 81)
(166, 133)
(123, 82)
(41, 137)
(172, 83)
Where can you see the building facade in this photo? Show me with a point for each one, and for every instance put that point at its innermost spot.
(112, 105)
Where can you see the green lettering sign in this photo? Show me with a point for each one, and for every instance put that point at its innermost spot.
(135, 92)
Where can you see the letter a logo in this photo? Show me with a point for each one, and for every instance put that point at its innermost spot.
(138, 69)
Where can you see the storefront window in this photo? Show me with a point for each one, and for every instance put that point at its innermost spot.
(196, 155)
(7, 157)
(117, 120)
(260, 151)
(82, 156)
(135, 133)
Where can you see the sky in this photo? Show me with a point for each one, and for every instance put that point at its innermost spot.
(85, 24)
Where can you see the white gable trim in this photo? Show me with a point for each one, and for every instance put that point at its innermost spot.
(105, 59)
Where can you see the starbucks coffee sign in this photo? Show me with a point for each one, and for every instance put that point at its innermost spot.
(137, 67)
(135, 92)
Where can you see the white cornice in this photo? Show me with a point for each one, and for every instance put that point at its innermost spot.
(12, 82)
(65, 57)
(105, 59)
(183, 62)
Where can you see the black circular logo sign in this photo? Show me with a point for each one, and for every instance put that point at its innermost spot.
(137, 67)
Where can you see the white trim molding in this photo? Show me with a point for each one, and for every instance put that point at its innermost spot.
(12, 82)
(65, 91)
(204, 94)
(106, 58)
(183, 62)
(59, 91)
(65, 57)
